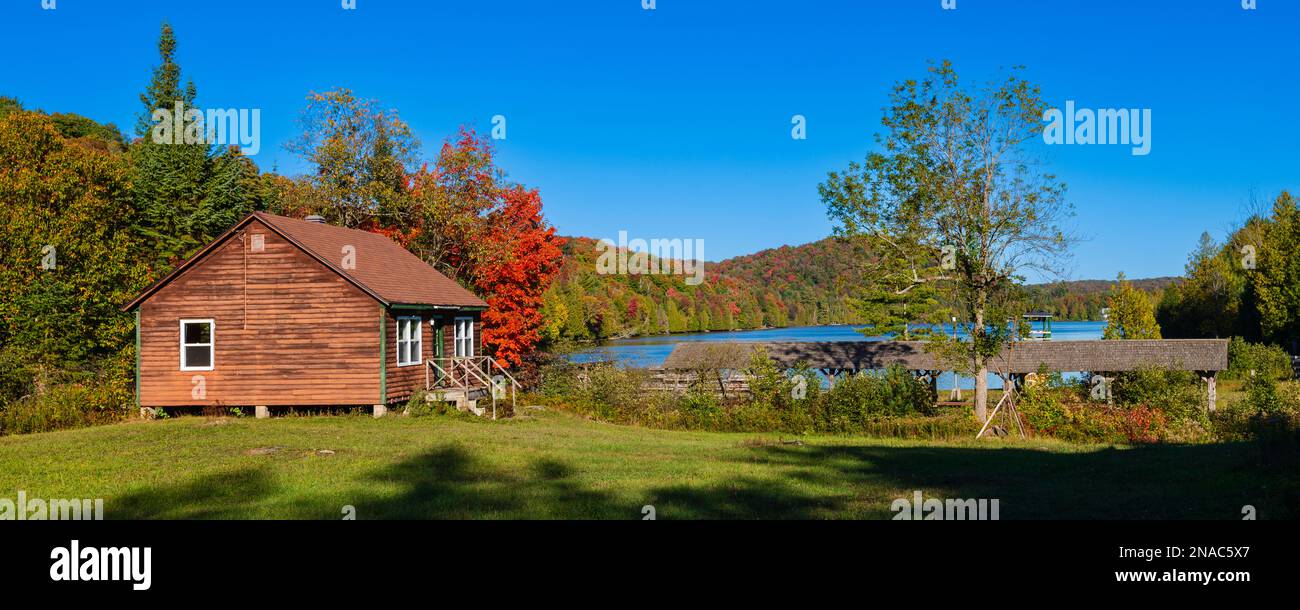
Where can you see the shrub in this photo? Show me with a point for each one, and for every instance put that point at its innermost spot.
(1084, 423)
(1042, 405)
(1266, 360)
(1176, 394)
(1062, 410)
(778, 400)
(62, 406)
(1264, 408)
(422, 404)
(1232, 422)
(855, 400)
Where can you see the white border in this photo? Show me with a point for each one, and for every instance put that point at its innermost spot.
(455, 337)
(212, 344)
(419, 338)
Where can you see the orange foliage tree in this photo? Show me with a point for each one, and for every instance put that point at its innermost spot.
(462, 217)
(520, 256)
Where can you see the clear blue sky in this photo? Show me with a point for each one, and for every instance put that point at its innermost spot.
(676, 122)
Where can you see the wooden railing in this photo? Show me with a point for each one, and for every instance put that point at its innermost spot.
(471, 373)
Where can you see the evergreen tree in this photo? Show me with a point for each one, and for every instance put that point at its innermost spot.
(1276, 280)
(168, 178)
(185, 195)
(232, 192)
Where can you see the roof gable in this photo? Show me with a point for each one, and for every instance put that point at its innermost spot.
(375, 264)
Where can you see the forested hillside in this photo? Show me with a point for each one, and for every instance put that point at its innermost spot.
(773, 288)
(1084, 299)
(804, 285)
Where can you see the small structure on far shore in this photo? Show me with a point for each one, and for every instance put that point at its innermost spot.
(1040, 325)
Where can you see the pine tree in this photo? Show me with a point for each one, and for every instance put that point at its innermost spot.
(1276, 282)
(185, 195)
(168, 178)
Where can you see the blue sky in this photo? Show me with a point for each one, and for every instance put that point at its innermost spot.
(675, 122)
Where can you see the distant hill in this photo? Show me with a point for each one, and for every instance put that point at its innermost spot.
(805, 285)
(1084, 299)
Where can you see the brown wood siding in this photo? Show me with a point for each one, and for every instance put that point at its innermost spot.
(403, 381)
(449, 335)
(303, 336)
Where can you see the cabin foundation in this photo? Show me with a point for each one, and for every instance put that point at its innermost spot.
(262, 412)
(381, 410)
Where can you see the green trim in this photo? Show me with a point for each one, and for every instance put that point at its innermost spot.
(137, 358)
(437, 308)
(383, 356)
(437, 341)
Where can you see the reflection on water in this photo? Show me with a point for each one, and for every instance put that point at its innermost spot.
(651, 351)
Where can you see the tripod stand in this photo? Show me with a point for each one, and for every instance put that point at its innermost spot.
(1007, 406)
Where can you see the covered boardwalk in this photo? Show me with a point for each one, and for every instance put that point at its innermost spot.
(1204, 356)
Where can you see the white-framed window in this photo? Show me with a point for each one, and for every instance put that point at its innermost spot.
(198, 344)
(410, 343)
(464, 337)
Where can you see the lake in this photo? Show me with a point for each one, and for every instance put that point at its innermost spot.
(651, 351)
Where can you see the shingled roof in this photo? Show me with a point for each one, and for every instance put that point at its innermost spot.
(383, 269)
(1022, 357)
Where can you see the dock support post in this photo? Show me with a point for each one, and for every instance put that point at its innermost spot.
(1211, 388)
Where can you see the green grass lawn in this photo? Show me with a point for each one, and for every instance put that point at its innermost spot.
(552, 465)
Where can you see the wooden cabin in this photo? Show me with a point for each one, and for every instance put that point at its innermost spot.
(280, 312)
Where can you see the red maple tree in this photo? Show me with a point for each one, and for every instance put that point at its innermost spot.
(520, 256)
(462, 217)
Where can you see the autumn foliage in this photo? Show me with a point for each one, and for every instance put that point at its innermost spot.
(520, 256)
(465, 219)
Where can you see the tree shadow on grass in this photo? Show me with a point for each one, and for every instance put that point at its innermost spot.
(807, 482)
(226, 495)
(744, 498)
(446, 483)
(1152, 482)
(452, 483)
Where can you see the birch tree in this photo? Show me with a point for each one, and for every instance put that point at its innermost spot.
(954, 198)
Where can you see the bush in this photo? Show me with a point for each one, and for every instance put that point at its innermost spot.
(1232, 422)
(1084, 423)
(1266, 360)
(600, 390)
(1154, 406)
(778, 400)
(1265, 411)
(1178, 395)
(422, 405)
(858, 399)
(1042, 405)
(59, 407)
